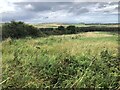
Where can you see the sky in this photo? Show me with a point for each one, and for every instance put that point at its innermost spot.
(34, 11)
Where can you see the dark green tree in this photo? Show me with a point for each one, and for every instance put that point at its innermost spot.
(18, 29)
(62, 29)
(71, 30)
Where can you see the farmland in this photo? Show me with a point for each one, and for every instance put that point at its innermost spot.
(55, 25)
(82, 60)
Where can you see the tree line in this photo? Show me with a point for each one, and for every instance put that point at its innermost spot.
(20, 30)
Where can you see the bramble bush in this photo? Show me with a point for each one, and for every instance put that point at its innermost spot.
(60, 71)
(19, 30)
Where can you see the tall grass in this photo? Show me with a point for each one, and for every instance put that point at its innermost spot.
(75, 61)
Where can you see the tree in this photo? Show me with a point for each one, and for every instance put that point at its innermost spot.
(18, 29)
(62, 29)
(71, 30)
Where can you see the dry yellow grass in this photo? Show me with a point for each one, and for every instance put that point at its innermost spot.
(95, 34)
(87, 34)
(84, 43)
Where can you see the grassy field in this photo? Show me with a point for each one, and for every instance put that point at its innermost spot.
(85, 60)
(54, 25)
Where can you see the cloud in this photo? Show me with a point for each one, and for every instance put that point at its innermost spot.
(29, 6)
(105, 8)
(5, 6)
(108, 8)
(68, 12)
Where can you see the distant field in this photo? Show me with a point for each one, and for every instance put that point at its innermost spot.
(77, 25)
(84, 60)
(49, 25)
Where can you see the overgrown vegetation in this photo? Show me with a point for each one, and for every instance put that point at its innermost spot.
(82, 59)
(87, 60)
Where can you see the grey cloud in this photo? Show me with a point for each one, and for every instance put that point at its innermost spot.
(80, 7)
(113, 3)
(79, 11)
(55, 6)
(17, 16)
(44, 6)
(83, 10)
(102, 5)
(41, 10)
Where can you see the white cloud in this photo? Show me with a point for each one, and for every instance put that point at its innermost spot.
(5, 6)
(96, 0)
(29, 6)
(111, 9)
(8, 5)
(108, 8)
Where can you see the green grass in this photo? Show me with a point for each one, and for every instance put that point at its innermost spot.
(86, 60)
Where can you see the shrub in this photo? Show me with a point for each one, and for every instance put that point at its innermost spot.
(71, 30)
(62, 29)
(18, 30)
